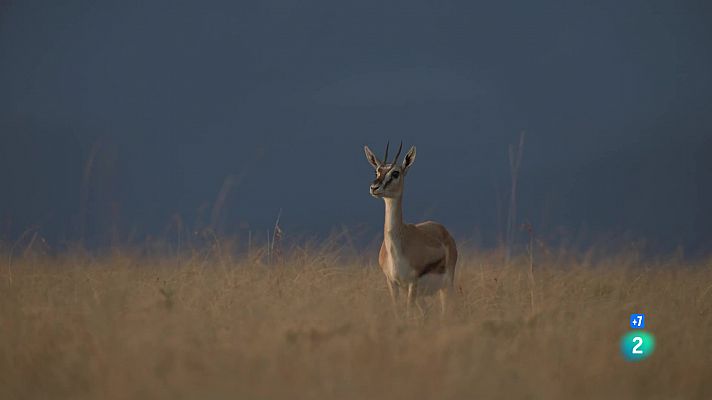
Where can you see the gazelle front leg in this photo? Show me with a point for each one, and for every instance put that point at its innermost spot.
(394, 291)
(412, 290)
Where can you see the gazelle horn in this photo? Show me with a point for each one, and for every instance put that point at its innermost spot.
(395, 160)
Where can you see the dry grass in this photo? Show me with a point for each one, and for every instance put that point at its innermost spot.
(197, 327)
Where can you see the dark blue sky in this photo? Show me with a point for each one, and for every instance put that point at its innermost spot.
(171, 98)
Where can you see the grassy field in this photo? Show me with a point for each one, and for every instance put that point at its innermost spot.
(317, 325)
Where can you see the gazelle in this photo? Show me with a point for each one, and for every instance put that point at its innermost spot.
(412, 256)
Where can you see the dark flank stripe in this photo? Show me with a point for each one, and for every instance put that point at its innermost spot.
(437, 267)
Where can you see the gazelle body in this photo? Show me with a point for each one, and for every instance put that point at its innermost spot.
(415, 257)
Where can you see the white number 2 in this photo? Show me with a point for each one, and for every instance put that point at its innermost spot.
(638, 340)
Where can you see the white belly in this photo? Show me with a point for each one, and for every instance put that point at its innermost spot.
(400, 272)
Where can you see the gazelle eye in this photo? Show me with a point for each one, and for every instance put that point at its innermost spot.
(395, 174)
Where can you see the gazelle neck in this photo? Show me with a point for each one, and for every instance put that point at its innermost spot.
(394, 217)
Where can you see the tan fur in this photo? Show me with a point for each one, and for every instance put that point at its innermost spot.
(423, 244)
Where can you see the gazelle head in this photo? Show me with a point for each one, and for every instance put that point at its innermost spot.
(389, 176)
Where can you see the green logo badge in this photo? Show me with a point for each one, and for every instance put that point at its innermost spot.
(637, 345)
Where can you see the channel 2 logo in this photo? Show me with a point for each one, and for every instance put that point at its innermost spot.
(637, 344)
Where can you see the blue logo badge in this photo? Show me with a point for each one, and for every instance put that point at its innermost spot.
(637, 321)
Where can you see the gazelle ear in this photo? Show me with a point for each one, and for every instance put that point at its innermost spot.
(372, 159)
(409, 158)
